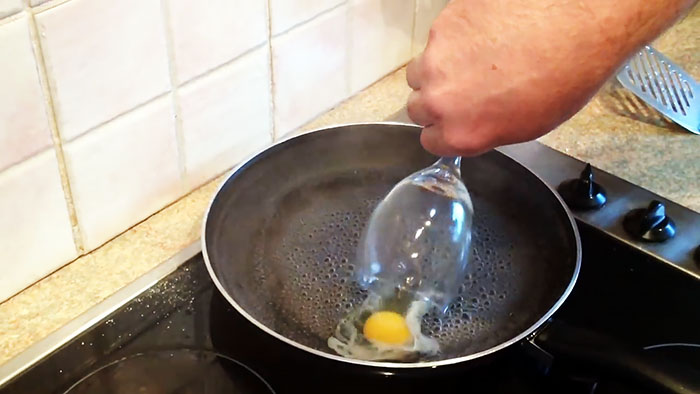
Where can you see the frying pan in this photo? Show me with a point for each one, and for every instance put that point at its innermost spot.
(280, 234)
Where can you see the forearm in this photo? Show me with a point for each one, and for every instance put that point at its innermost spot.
(623, 26)
(629, 24)
(600, 32)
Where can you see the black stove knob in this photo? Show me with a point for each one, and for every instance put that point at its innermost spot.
(583, 193)
(650, 224)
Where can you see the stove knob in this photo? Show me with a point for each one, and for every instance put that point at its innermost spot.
(583, 193)
(650, 224)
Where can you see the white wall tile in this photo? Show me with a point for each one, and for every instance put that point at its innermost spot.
(426, 12)
(209, 33)
(9, 7)
(381, 31)
(24, 126)
(103, 57)
(35, 230)
(310, 69)
(123, 171)
(287, 13)
(226, 116)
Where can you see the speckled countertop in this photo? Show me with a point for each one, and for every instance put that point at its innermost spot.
(614, 132)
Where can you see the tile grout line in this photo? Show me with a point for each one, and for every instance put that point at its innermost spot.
(273, 90)
(175, 101)
(117, 116)
(309, 19)
(165, 93)
(349, 45)
(348, 36)
(42, 71)
(12, 17)
(413, 28)
(218, 67)
(33, 9)
(47, 5)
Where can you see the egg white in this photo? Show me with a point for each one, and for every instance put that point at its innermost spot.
(348, 340)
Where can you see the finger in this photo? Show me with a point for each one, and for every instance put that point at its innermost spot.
(432, 140)
(414, 73)
(417, 110)
(435, 139)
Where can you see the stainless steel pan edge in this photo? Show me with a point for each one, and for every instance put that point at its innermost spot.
(391, 365)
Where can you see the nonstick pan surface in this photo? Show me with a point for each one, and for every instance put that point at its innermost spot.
(280, 235)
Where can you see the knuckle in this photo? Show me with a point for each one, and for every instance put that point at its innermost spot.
(463, 141)
(413, 106)
(412, 100)
(433, 32)
(412, 69)
(433, 104)
(413, 65)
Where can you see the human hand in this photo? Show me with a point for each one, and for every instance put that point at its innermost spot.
(497, 72)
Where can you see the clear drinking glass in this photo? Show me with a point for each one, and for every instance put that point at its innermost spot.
(417, 243)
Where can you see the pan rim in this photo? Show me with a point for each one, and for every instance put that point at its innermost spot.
(385, 364)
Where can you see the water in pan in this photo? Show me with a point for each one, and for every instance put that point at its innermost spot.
(305, 263)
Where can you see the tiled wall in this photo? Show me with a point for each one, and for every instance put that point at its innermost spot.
(110, 110)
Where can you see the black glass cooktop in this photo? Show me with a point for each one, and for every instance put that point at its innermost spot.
(181, 336)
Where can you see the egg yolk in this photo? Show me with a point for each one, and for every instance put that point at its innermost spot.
(387, 327)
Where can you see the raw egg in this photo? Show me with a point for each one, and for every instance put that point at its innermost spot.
(373, 333)
(387, 327)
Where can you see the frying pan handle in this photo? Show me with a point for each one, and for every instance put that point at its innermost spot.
(584, 346)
